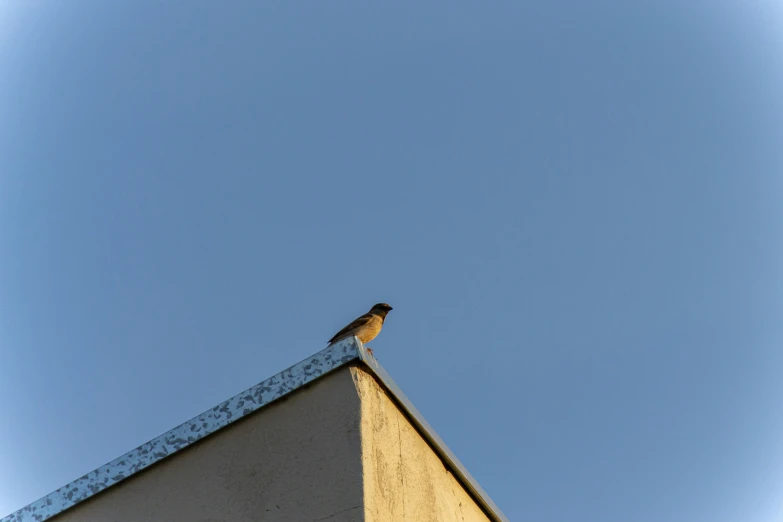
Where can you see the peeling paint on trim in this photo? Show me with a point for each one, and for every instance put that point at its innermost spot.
(241, 405)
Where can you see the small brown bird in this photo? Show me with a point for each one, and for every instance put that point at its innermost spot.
(366, 327)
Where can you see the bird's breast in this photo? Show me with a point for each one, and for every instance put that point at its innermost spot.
(370, 331)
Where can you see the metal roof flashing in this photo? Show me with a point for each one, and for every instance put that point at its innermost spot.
(235, 408)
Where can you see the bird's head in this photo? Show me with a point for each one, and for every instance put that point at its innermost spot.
(381, 309)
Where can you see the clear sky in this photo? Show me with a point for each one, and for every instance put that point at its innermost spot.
(575, 212)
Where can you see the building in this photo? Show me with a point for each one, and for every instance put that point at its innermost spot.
(330, 439)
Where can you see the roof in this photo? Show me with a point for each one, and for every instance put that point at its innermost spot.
(348, 351)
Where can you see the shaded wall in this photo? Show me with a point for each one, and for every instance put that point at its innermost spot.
(296, 460)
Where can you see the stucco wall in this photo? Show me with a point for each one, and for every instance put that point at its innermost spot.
(404, 479)
(338, 450)
(296, 460)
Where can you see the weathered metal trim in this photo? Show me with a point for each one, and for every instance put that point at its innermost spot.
(241, 405)
(189, 432)
(426, 431)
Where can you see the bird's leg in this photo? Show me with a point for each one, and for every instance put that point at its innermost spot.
(369, 350)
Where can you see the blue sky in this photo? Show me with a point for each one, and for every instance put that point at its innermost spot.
(574, 211)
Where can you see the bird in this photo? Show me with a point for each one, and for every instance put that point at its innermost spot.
(366, 327)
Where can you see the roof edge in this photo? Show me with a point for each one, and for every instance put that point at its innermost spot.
(267, 391)
(189, 432)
